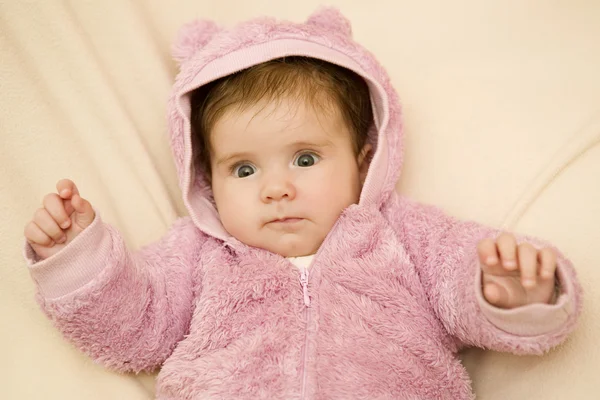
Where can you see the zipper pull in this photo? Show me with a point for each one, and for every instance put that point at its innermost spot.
(304, 282)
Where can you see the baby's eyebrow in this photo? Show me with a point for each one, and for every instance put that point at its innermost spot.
(304, 143)
(227, 158)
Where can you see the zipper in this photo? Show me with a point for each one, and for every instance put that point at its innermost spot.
(304, 283)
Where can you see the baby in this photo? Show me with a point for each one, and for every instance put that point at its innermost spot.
(300, 273)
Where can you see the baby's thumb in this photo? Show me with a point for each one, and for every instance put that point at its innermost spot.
(84, 213)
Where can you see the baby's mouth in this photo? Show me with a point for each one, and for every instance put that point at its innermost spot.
(286, 220)
(286, 224)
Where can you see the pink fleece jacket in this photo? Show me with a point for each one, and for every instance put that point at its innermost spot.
(391, 296)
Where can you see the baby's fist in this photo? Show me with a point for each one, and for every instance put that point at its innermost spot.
(64, 215)
(515, 275)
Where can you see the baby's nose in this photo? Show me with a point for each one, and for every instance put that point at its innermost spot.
(278, 188)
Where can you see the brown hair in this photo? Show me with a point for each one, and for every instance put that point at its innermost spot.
(327, 86)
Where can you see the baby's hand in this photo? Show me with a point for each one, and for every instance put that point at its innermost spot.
(64, 215)
(514, 275)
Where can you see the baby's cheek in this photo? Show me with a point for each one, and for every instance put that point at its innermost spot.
(234, 218)
(327, 209)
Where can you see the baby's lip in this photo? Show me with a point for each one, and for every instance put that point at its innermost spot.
(285, 220)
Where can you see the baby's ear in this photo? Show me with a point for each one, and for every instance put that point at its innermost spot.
(364, 161)
(191, 37)
(332, 19)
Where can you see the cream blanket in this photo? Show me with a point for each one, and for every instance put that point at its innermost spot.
(502, 114)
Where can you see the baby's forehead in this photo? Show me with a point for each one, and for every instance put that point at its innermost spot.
(320, 104)
(290, 113)
(272, 123)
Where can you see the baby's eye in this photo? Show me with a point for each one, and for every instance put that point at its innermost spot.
(306, 160)
(244, 170)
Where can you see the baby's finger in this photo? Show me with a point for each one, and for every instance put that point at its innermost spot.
(85, 211)
(48, 225)
(527, 264)
(68, 207)
(34, 234)
(507, 248)
(66, 188)
(486, 249)
(496, 295)
(55, 206)
(547, 258)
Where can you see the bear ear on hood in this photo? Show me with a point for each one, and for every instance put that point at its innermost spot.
(192, 37)
(332, 19)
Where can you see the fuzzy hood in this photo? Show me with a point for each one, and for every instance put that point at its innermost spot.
(206, 52)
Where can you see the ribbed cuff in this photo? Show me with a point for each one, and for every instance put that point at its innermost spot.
(75, 265)
(532, 319)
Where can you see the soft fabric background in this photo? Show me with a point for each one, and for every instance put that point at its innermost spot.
(502, 116)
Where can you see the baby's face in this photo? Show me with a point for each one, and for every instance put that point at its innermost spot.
(282, 174)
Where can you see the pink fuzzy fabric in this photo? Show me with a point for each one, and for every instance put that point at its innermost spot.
(394, 290)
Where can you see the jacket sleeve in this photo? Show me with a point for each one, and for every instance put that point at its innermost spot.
(444, 252)
(126, 310)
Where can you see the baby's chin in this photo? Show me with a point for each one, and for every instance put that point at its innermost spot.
(292, 246)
